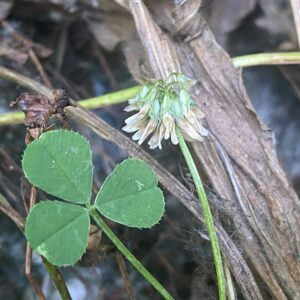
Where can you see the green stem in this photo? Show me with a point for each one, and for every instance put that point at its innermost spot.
(11, 118)
(124, 95)
(111, 98)
(130, 257)
(206, 213)
(282, 58)
(91, 103)
(57, 279)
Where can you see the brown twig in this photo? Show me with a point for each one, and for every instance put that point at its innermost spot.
(8, 168)
(28, 255)
(8, 210)
(38, 291)
(40, 68)
(236, 261)
(124, 274)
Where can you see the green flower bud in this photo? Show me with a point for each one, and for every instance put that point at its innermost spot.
(143, 92)
(177, 109)
(185, 101)
(162, 106)
(184, 97)
(166, 103)
(151, 95)
(155, 110)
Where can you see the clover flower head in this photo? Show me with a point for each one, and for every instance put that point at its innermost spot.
(162, 106)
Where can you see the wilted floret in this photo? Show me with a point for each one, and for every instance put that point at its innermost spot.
(161, 106)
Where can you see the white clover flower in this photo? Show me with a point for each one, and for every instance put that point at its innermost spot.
(162, 106)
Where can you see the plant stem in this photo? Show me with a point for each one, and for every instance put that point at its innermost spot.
(109, 99)
(282, 58)
(11, 118)
(206, 213)
(57, 279)
(91, 103)
(130, 257)
(124, 95)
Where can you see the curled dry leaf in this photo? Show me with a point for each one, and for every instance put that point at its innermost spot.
(59, 101)
(38, 108)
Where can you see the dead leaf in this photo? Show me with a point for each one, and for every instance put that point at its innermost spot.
(38, 108)
(59, 101)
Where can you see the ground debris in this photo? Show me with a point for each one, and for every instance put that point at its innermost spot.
(38, 109)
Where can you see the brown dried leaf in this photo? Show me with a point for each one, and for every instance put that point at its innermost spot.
(38, 108)
(59, 101)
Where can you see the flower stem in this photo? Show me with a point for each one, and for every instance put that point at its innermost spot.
(123, 95)
(130, 257)
(57, 279)
(91, 103)
(206, 213)
(109, 99)
(281, 58)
